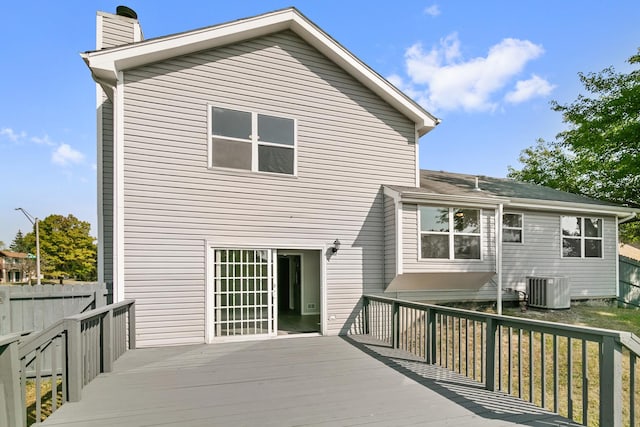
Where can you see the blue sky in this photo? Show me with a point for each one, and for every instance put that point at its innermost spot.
(487, 69)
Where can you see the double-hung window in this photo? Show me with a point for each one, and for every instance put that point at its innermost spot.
(252, 141)
(512, 228)
(581, 237)
(449, 233)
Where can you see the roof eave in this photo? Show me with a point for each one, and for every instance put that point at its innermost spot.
(554, 205)
(105, 64)
(480, 200)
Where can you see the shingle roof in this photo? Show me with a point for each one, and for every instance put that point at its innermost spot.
(458, 184)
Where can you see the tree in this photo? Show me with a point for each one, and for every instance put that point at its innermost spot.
(2, 245)
(66, 248)
(18, 244)
(599, 154)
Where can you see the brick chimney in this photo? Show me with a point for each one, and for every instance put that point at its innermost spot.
(119, 29)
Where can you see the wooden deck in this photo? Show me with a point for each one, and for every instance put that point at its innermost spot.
(327, 381)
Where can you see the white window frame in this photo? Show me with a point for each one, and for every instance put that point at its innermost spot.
(451, 233)
(521, 228)
(582, 238)
(253, 140)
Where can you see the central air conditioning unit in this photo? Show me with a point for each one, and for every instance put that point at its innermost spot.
(549, 292)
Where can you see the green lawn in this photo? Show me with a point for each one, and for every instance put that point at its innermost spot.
(595, 314)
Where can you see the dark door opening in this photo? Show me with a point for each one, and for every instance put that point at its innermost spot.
(293, 318)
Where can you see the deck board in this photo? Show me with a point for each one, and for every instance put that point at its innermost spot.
(319, 381)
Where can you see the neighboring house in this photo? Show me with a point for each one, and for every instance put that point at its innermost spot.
(15, 267)
(256, 178)
(630, 250)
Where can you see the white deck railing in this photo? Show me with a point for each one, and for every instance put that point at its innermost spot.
(577, 372)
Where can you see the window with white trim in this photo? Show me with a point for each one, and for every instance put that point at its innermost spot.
(512, 230)
(581, 237)
(252, 141)
(449, 233)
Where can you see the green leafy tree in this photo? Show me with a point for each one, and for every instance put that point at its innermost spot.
(599, 154)
(18, 244)
(66, 247)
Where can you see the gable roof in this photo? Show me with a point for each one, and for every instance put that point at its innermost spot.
(105, 64)
(458, 187)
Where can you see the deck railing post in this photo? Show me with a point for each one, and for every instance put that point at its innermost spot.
(395, 324)
(107, 342)
(490, 355)
(365, 315)
(132, 326)
(11, 412)
(74, 359)
(611, 383)
(430, 336)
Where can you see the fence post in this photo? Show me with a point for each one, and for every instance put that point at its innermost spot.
(11, 410)
(132, 326)
(74, 359)
(490, 355)
(395, 324)
(5, 312)
(611, 383)
(107, 341)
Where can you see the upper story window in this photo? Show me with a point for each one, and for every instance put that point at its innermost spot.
(581, 237)
(252, 141)
(449, 233)
(512, 230)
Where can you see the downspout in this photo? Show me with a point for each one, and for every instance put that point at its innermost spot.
(499, 256)
(627, 218)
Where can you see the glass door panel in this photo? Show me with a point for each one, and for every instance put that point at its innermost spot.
(243, 292)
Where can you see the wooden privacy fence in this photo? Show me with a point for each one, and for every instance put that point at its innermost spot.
(629, 286)
(34, 308)
(60, 361)
(589, 375)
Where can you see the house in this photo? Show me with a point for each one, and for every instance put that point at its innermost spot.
(256, 178)
(446, 245)
(15, 267)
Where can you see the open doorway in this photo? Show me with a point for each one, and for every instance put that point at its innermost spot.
(298, 291)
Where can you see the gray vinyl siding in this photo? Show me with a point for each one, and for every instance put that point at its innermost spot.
(106, 147)
(350, 142)
(540, 255)
(411, 244)
(389, 240)
(116, 30)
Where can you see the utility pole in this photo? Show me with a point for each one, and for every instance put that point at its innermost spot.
(35, 222)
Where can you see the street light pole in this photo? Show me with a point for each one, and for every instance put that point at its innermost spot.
(35, 222)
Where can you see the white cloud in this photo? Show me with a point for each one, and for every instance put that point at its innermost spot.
(64, 155)
(527, 89)
(441, 79)
(433, 10)
(45, 140)
(12, 135)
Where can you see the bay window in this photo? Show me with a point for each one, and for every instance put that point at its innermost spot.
(449, 233)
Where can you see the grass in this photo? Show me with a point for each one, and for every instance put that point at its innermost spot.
(46, 394)
(597, 314)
